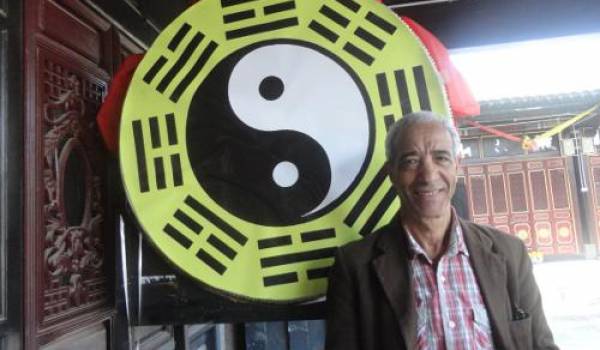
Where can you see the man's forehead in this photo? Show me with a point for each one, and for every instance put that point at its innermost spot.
(430, 136)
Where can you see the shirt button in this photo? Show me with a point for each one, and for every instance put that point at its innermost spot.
(452, 324)
(443, 279)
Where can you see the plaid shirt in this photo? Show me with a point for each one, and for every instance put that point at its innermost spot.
(450, 310)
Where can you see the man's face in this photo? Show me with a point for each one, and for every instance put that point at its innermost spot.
(424, 171)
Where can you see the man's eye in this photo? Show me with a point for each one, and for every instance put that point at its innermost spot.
(443, 158)
(409, 162)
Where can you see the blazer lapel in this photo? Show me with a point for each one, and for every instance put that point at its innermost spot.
(490, 271)
(391, 268)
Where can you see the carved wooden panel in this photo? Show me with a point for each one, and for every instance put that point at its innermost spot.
(594, 176)
(478, 195)
(537, 179)
(73, 167)
(517, 192)
(498, 192)
(529, 187)
(69, 226)
(70, 50)
(559, 189)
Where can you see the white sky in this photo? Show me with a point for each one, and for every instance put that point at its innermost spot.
(531, 68)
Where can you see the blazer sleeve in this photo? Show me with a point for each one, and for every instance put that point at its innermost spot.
(342, 321)
(530, 301)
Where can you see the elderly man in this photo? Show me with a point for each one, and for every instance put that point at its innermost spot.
(429, 280)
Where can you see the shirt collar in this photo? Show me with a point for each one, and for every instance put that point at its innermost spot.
(456, 243)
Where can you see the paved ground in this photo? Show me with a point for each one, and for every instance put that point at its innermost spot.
(571, 296)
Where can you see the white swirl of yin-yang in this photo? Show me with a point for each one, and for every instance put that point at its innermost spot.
(319, 99)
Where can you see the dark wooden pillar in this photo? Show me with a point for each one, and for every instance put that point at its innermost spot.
(11, 174)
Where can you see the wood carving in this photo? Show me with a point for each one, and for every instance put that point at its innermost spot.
(73, 212)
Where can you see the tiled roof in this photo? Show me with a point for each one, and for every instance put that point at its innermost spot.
(544, 101)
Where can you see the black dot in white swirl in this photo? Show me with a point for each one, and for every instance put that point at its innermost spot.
(277, 132)
(271, 88)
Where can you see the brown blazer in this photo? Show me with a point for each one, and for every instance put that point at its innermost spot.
(370, 302)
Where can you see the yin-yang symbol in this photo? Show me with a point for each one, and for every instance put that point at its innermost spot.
(291, 139)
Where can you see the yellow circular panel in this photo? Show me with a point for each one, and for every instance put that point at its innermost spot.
(252, 137)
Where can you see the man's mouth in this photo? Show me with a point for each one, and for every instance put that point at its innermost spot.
(428, 192)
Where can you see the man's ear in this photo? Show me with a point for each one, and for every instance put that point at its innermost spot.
(389, 169)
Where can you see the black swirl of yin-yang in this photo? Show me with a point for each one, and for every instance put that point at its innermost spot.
(278, 132)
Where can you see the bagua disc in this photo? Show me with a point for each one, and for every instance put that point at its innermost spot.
(252, 137)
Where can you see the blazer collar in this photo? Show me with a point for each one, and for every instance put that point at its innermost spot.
(391, 268)
(491, 274)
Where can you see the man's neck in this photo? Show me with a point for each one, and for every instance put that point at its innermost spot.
(429, 233)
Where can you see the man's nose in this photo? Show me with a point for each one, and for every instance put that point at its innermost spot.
(427, 170)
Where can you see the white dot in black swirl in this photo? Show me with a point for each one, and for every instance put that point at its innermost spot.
(271, 88)
(278, 132)
(285, 174)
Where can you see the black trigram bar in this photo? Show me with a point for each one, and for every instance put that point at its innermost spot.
(181, 61)
(140, 153)
(211, 262)
(375, 217)
(227, 3)
(161, 61)
(317, 235)
(190, 223)
(284, 278)
(369, 38)
(177, 236)
(274, 242)
(156, 67)
(280, 7)
(323, 31)
(351, 5)
(154, 132)
(384, 91)
(314, 274)
(261, 28)
(297, 257)
(366, 197)
(178, 37)
(334, 16)
(171, 129)
(238, 16)
(421, 83)
(191, 75)
(403, 95)
(176, 167)
(159, 173)
(388, 120)
(158, 162)
(358, 54)
(215, 220)
(221, 246)
(381, 23)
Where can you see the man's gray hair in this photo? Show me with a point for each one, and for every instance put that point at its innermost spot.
(417, 118)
